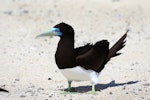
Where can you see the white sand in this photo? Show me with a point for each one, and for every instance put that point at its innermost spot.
(26, 63)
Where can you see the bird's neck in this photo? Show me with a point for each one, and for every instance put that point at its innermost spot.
(65, 52)
(66, 44)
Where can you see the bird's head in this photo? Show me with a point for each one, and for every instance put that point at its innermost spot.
(61, 29)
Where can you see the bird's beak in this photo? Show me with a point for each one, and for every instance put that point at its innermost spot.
(51, 32)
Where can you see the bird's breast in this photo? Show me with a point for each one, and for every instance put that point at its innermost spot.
(80, 74)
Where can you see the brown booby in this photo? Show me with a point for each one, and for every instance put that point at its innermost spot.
(83, 63)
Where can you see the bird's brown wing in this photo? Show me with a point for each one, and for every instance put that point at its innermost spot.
(82, 49)
(94, 57)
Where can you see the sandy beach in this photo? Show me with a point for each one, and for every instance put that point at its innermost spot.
(27, 65)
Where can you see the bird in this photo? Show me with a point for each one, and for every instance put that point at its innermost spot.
(83, 63)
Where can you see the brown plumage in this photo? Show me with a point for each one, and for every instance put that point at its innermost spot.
(116, 47)
(95, 56)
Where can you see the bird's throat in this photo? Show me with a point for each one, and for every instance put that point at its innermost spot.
(65, 53)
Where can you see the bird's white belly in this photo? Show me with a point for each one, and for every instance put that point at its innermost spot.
(80, 74)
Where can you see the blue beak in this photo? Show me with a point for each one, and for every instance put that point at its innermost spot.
(51, 32)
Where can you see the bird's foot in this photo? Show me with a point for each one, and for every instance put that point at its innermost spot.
(69, 91)
(92, 92)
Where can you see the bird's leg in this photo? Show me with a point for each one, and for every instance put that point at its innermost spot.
(69, 86)
(68, 91)
(93, 89)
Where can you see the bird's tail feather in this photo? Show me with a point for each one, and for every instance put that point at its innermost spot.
(116, 47)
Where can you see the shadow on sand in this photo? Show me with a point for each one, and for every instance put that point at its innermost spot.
(99, 87)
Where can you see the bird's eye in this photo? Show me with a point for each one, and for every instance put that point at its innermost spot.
(57, 30)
